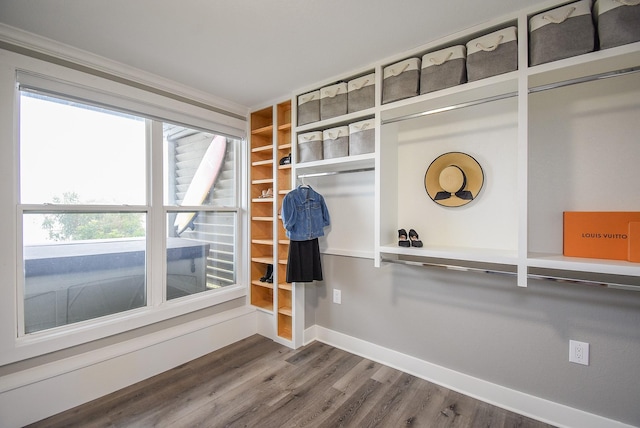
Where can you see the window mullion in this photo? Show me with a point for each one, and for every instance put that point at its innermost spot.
(155, 232)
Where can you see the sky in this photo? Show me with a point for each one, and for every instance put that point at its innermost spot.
(66, 148)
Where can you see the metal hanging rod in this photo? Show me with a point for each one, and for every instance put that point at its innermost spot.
(577, 80)
(584, 282)
(452, 107)
(447, 266)
(503, 272)
(599, 76)
(346, 171)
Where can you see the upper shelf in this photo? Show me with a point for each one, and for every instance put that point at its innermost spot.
(341, 164)
(341, 120)
(443, 99)
(593, 63)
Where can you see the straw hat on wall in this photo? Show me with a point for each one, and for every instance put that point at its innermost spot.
(454, 179)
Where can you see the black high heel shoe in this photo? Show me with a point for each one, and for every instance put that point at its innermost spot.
(268, 275)
(414, 238)
(402, 238)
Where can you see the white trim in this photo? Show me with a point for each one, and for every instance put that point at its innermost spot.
(45, 46)
(506, 398)
(12, 349)
(82, 378)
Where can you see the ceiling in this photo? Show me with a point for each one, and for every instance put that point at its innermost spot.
(250, 52)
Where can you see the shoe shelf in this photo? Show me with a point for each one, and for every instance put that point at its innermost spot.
(482, 255)
(270, 142)
(284, 297)
(261, 227)
(262, 241)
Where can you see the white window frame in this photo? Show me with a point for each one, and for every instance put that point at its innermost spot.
(60, 81)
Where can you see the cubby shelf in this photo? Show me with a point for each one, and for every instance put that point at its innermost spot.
(270, 142)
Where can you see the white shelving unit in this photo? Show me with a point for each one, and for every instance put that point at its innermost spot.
(515, 225)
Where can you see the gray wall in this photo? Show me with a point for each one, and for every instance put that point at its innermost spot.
(485, 326)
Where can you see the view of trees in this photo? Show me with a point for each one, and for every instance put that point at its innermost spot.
(83, 226)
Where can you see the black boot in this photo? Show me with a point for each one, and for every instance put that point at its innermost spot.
(268, 275)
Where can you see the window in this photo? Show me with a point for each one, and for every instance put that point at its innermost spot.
(200, 171)
(89, 217)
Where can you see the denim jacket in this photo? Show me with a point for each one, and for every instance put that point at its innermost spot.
(304, 214)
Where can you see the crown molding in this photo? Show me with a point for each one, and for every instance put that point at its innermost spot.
(30, 44)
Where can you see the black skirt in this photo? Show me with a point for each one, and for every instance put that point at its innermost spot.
(303, 263)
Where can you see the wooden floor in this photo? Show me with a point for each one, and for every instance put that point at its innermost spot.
(259, 383)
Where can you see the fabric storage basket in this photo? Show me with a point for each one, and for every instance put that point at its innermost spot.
(333, 100)
(618, 22)
(335, 142)
(310, 146)
(492, 54)
(401, 80)
(561, 33)
(360, 93)
(443, 69)
(309, 108)
(361, 137)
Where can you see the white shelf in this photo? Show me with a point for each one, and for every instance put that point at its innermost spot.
(337, 121)
(593, 63)
(443, 99)
(601, 266)
(336, 164)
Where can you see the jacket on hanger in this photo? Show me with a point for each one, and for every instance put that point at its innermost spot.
(304, 214)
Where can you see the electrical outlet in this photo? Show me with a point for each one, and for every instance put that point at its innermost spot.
(579, 352)
(337, 296)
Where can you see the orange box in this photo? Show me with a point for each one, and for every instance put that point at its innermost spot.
(602, 235)
(634, 241)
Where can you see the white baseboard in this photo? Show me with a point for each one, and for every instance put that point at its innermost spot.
(52, 388)
(64, 384)
(506, 398)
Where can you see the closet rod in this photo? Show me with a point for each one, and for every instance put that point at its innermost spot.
(585, 79)
(585, 282)
(600, 76)
(452, 107)
(447, 266)
(346, 171)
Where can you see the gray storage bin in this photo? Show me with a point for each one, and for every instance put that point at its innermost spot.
(401, 80)
(308, 108)
(561, 33)
(361, 93)
(333, 100)
(335, 142)
(443, 69)
(310, 146)
(618, 22)
(492, 54)
(361, 137)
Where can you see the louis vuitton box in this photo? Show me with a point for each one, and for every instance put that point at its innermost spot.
(602, 235)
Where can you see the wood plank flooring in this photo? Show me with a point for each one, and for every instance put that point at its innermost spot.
(259, 383)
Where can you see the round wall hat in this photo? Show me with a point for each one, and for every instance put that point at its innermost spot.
(453, 179)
